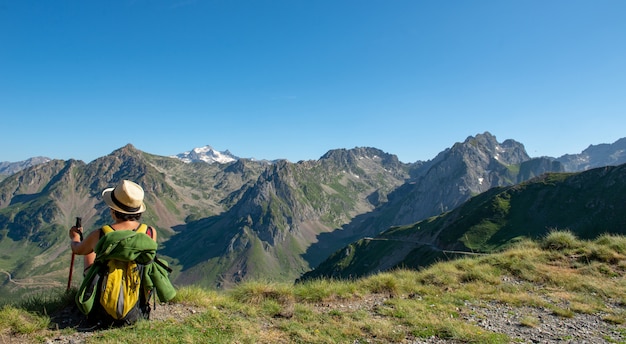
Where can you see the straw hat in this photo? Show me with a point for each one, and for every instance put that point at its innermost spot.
(126, 197)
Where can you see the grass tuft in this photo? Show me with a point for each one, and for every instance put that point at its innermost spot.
(257, 292)
(560, 240)
(614, 242)
(383, 283)
(20, 321)
(529, 321)
(45, 303)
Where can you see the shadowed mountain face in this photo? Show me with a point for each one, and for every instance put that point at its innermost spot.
(586, 203)
(223, 223)
(277, 218)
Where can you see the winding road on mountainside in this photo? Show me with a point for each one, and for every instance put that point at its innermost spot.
(30, 283)
(425, 244)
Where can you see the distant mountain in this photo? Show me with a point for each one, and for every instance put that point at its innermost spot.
(595, 156)
(206, 154)
(587, 203)
(8, 168)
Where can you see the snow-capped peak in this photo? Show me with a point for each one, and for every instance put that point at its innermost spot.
(206, 154)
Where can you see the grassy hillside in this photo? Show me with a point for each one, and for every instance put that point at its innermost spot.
(585, 203)
(559, 281)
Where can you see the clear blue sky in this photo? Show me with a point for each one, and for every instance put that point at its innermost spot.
(295, 78)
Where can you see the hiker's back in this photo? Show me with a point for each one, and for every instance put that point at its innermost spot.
(121, 256)
(120, 260)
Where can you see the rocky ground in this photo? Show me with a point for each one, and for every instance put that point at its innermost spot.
(540, 325)
(522, 324)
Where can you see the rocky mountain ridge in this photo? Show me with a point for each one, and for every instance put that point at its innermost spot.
(223, 223)
(599, 155)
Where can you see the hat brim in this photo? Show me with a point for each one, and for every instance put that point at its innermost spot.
(106, 195)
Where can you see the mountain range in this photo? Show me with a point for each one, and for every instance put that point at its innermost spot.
(593, 156)
(221, 221)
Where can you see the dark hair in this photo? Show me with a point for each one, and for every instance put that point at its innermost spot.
(127, 217)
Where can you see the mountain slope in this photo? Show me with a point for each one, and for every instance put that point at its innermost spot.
(266, 233)
(587, 203)
(441, 184)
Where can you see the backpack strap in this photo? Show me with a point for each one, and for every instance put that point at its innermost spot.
(106, 229)
(143, 228)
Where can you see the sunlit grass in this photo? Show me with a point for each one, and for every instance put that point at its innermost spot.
(561, 273)
(19, 321)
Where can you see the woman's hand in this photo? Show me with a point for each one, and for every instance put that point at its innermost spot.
(76, 234)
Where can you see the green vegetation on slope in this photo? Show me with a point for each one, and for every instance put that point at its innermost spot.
(560, 272)
(585, 203)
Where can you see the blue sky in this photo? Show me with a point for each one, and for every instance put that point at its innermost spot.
(295, 78)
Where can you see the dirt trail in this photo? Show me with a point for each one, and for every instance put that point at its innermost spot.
(30, 282)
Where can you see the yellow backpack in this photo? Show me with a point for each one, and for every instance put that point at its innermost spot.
(121, 285)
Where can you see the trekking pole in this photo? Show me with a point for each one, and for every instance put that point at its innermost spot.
(79, 224)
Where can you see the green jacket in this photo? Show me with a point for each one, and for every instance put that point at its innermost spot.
(129, 246)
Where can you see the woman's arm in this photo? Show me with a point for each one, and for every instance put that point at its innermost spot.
(86, 246)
